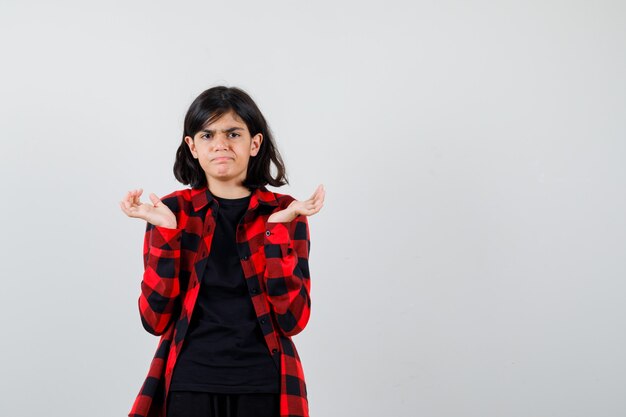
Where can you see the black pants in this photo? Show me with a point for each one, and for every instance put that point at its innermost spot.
(206, 404)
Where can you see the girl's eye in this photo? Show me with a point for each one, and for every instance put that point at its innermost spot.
(208, 134)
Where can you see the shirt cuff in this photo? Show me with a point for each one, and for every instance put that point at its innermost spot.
(165, 238)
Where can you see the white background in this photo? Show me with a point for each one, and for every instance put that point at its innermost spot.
(470, 257)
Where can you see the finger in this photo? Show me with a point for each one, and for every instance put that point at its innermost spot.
(124, 209)
(155, 199)
(131, 212)
(321, 192)
(137, 199)
(319, 203)
(311, 211)
(314, 193)
(138, 195)
(319, 198)
(311, 208)
(127, 207)
(127, 200)
(320, 195)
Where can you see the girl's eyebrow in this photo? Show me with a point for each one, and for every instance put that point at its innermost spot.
(230, 129)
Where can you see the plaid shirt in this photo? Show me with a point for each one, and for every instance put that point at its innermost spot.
(274, 258)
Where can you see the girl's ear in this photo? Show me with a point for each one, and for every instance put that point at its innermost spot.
(192, 146)
(255, 144)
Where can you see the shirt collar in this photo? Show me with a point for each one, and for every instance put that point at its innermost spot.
(202, 196)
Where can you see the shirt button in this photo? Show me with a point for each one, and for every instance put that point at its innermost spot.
(244, 257)
(255, 290)
(274, 350)
(267, 233)
(262, 321)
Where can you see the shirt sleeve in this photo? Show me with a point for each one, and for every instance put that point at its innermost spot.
(160, 286)
(287, 279)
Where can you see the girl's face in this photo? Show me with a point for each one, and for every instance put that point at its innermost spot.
(224, 148)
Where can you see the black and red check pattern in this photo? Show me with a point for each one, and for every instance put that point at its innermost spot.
(274, 257)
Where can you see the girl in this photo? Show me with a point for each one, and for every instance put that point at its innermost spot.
(226, 279)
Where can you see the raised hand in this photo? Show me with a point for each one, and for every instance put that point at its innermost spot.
(156, 213)
(305, 207)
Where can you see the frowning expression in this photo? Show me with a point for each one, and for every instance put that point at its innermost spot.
(224, 147)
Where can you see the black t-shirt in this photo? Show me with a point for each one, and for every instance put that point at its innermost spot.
(224, 349)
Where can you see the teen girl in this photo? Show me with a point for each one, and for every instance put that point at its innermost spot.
(226, 279)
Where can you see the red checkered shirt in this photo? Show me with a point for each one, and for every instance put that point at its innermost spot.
(274, 258)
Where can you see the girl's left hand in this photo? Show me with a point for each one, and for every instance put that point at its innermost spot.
(305, 207)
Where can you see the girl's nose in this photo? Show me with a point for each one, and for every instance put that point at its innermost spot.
(220, 142)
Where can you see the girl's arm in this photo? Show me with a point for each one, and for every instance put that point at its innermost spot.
(160, 286)
(287, 278)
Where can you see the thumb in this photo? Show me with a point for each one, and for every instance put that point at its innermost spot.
(155, 200)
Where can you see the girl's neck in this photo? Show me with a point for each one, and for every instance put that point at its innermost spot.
(229, 191)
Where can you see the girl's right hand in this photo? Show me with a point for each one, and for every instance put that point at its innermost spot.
(156, 213)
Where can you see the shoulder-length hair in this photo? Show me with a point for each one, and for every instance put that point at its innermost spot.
(209, 106)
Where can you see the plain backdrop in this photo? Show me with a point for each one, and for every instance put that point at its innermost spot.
(469, 260)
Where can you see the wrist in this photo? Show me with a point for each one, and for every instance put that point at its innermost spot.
(169, 225)
(284, 216)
